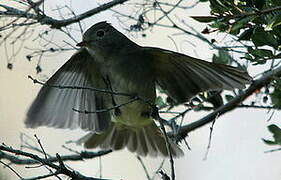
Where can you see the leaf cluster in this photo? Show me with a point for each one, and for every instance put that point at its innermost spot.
(256, 25)
(254, 22)
(276, 132)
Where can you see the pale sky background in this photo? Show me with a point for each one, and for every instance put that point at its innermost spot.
(237, 151)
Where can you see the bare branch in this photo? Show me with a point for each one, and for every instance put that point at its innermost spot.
(133, 99)
(168, 145)
(256, 13)
(273, 150)
(210, 140)
(8, 166)
(60, 169)
(144, 167)
(256, 85)
(35, 81)
(55, 23)
(72, 157)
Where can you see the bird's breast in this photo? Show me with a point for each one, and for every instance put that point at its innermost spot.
(137, 83)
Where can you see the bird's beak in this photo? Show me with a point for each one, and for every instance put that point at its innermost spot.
(81, 44)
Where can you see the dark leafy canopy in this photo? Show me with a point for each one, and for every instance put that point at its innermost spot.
(253, 20)
(257, 22)
(256, 26)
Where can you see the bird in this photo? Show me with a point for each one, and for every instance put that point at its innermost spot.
(124, 76)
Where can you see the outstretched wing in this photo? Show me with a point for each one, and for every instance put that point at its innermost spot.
(183, 76)
(53, 107)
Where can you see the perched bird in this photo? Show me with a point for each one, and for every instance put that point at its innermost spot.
(108, 60)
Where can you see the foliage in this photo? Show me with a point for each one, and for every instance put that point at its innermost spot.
(276, 132)
(256, 22)
(256, 25)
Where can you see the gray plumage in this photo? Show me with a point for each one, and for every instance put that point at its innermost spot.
(145, 141)
(109, 60)
(53, 107)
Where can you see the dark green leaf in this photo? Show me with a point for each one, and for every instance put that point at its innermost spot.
(204, 19)
(259, 20)
(160, 102)
(269, 142)
(215, 98)
(276, 131)
(276, 21)
(228, 97)
(276, 98)
(248, 57)
(222, 26)
(218, 6)
(259, 4)
(255, 59)
(249, 3)
(215, 58)
(246, 35)
(222, 58)
(277, 31)
(276, 2)
(237, 25)
(261, 37)
(260, 53)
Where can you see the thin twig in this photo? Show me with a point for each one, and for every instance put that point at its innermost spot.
(107, 109)
(159, 168)
(72, 157)
(256, 85)
(62, 169)
(8, 166)
(210, 140)
(273, 150)
(144, 167)
(168, 145)
(256, 13)
(55, 23)
(35, 81)
(41, 146)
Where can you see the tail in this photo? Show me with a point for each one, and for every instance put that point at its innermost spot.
(148, 140)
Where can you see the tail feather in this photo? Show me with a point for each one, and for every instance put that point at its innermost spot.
(152, 147)
(142, 145)
(107, 142)
(147, 140)
(120, 141)
(132, 142)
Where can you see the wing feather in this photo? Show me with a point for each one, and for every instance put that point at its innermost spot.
(183, 76)
(53, 107)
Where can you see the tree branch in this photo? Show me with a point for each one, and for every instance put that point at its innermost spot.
(35, 81)
(256, 85)
(72, 157)
(60, 169)
(56, 23)
(209, 108)
(256, 13)
(61, 23)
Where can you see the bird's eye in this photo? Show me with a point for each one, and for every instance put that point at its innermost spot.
(100, 33)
